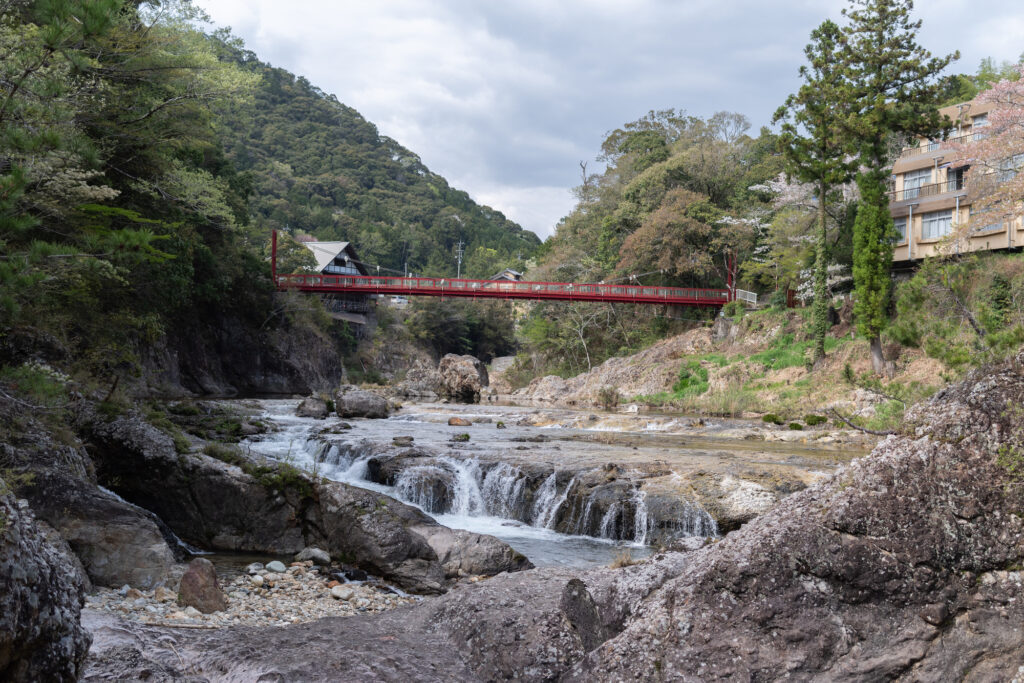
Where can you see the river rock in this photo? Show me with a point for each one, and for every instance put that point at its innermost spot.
(462, 377)
(254, 567)
(276, 566)
(200, 589)
(350, 401)
(463, 553)
(256, 580)
(342, 593)
(41, 638)
(313, 407)
(459, 422)
(318, 556)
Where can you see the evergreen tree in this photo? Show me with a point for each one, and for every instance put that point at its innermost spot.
(816, 150)
(894, 90)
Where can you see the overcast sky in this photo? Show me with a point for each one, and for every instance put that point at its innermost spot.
(504, 98)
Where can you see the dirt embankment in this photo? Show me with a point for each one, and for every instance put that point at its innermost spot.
(757, 365)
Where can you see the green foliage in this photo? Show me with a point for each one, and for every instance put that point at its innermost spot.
(786, 352)
(772, 418)
(228, 453)
(316, 166)
(1011, 459)
(481, 328)
(795, 426)
(36, 382)
(734, 310)
(607, 398)
(460, 438)
(815, 420)
(693, 379)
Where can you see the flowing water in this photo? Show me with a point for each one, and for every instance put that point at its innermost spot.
(518, 483)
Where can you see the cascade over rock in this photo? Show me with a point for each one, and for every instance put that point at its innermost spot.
(276, 509)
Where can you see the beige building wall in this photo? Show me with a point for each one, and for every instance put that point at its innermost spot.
(932, 202)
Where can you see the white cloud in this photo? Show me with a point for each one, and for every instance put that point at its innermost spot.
(505, 98)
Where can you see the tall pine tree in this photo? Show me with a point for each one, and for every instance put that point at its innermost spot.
(816, 149)
(895, 91)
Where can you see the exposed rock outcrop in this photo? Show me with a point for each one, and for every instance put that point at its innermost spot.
(462, 377)
(422, 381)
(41, 638)
(651, 371)
(350, 401)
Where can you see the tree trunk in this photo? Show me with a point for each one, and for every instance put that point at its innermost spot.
(877, 356)
(819, 313)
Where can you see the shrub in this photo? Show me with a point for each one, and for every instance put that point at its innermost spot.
(224, 452)
(608, 397)
(693, 379)
(796, 426)
(815, 420)
(734, 310)
(772, 418)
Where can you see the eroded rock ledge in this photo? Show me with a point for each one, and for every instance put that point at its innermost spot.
(902, 565)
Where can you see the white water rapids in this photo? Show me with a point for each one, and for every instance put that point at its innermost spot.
(457, 492)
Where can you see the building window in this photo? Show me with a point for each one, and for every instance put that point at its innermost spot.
(914, 180)
(901, 229)
(981, 221)
(1009, 167)
(979, 121)
(936, 224)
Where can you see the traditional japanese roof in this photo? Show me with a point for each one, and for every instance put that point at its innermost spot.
(325, 252)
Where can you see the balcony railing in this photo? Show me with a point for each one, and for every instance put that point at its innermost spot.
(940, 144)
(950, 185)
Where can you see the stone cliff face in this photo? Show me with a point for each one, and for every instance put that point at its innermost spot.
(229, 357)
(41, 638)
(903, 565)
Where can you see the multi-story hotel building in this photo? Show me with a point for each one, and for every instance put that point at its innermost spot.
(930, 200)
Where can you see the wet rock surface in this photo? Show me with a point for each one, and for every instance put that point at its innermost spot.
(41, 638)
(313, 407)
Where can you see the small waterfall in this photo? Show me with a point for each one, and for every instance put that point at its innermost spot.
(545, 512)
(583, 523)
(428, 486)
(502, 491)
(640, 517)
(608, 522)
(466, 497)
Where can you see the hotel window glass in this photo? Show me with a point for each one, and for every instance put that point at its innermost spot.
(983, 221)
(901, 229)
(979, 122)
(914, 180)
(936, 224)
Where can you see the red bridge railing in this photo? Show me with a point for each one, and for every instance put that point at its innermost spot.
(502, 289)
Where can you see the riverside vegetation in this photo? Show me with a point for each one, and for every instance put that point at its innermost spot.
(143, 161)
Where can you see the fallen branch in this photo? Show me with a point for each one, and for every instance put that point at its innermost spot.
(887, 432)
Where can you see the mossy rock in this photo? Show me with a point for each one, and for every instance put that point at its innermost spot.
(461, 438)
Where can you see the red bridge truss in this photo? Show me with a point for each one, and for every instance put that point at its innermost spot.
(502, 289)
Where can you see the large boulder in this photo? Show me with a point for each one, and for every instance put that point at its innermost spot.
(41, 638)
(351, 401)
(462, 377)
(464, 553)
(118, 543)
(422, 381)
(199, 588)
(313, 407)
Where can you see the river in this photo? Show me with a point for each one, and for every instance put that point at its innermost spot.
(562, 487)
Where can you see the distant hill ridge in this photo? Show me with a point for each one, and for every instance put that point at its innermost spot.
(317, 166)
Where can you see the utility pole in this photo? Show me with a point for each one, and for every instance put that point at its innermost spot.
(458, 258)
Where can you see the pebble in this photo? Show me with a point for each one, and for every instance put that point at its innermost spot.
(296, 597)
(277, 567)
(254, 567)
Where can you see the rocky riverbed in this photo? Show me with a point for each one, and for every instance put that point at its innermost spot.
(257, 596)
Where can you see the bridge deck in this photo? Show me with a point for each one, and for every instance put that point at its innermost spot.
(503, 289)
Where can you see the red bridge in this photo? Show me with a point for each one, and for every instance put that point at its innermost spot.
(502, 289)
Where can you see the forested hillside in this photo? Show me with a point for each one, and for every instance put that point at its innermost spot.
(318, 167)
